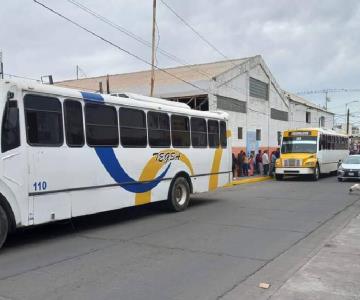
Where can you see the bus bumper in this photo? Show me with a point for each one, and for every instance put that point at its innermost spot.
(294, 171)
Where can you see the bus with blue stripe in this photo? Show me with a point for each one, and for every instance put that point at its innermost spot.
(68, 153)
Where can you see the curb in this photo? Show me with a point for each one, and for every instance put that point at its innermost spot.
(248, 180)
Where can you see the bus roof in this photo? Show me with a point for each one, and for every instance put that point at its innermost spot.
(126, 99)
(322, 130)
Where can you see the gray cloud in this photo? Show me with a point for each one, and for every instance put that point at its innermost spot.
(307, 44)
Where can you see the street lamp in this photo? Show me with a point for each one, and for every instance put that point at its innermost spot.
(348, 115)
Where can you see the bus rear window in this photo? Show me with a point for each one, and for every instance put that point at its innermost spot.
(213, 133)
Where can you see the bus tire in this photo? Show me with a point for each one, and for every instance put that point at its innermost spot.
(279, 176)
(4, 226)
(179, 194)
(316, 174)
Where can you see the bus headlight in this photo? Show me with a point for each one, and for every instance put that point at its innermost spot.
(278, 163)
(311, 163)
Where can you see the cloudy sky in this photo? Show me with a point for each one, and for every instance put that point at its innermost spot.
(308, 44)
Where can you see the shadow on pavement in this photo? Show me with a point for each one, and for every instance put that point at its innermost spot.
(63, 228)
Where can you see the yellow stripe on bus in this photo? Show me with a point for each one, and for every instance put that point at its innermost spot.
(214, 177)
(151, 169)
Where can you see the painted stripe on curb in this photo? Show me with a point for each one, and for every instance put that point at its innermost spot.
(248, 180)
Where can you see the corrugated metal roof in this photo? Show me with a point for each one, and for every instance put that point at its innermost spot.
(192, 73)
(298, 99)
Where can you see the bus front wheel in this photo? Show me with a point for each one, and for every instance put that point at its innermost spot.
(179, 194)
(4, 226)
(316, 174)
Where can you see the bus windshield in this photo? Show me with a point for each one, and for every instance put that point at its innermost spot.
(299, 144)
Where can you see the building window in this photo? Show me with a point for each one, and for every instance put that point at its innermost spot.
(258, 134)
(308, 117)
(158, 129)
(101, 125)
(258, 89)
(132, 127)
(43, 121)
(74, 126)
(180, 131)
(240, 133)
(198, 133)
(322, 121)
(279, 137)
(213, 133)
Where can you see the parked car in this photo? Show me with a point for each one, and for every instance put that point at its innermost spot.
(349, 168)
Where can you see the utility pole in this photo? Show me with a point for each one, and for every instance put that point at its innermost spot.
(1, 67)
(347, 121)
(77, 72)
(152, 82)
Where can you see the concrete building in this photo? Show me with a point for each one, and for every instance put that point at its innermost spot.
(245, 88)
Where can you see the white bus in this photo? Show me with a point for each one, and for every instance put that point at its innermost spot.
(67, 153)
(310, 151)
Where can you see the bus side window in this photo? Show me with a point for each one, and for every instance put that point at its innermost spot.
(132, 127)
(321, 139)
(213, 133)
(10, 132)
(180, 131)
(101, 125)
(74, 125)
(158, 129)
(223, 139)
(43, 121)
(198, 133)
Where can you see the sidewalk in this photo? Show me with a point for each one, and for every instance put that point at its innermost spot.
(333, 273)
(248, 179)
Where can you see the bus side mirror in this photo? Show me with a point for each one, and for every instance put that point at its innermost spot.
(339, 163)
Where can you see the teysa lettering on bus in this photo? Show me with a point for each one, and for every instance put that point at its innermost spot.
(167, 156)
(112, 165)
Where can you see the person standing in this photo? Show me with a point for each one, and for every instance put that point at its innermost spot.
(245, 165)
(240, 160)
(265, 162)
(258, 162)
(234, 163)
(251, 165)
(272, 163)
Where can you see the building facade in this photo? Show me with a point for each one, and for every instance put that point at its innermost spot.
(259, 109)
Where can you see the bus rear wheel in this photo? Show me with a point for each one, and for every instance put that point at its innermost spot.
(179, 194)
(4, 226)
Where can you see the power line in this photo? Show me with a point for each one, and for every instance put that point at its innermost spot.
(194, 30)
(117, 46)
(146, 43)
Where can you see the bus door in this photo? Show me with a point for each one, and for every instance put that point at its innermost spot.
(46, 150)
(13, 157)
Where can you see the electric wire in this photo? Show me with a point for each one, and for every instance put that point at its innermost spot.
(167, 54)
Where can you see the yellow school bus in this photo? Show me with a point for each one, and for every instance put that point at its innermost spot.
(311, 152)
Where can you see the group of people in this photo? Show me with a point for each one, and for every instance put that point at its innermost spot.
(250, 164)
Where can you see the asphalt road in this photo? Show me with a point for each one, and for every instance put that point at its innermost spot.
(220, 248)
